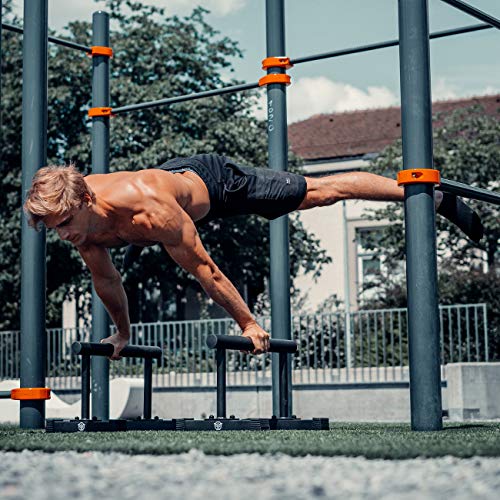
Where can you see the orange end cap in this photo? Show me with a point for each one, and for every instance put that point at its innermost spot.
(100, 112)
(97, 50)
(419, 176)
(275, 78)
(29, 393)
(276, 62)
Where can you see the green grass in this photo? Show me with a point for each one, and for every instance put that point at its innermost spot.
(390, 441)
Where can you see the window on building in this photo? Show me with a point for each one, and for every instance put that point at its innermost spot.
(369, 260)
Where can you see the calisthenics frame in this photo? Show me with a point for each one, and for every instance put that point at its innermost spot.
(425, 386)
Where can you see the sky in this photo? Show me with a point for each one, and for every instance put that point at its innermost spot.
(461, 66)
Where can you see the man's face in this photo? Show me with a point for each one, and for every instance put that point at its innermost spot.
(72, 226)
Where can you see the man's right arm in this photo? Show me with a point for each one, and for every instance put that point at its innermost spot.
(108, 286)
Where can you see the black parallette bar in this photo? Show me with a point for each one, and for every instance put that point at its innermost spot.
(130, 351)
(4, 394)
(470, 192)
(220, 356)
(148, 387)
(472, 11)
(186, 97)
(239, 343)
(283, 384)
(52, 39)
(85, 386)
(388, 43)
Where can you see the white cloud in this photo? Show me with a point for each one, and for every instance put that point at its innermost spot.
(442, 90)
(217, 7)
(311, 96)
(62, 11)
(489, 90)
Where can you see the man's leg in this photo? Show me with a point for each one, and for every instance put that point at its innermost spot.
(324, 191)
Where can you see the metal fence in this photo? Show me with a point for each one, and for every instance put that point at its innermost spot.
(369, 346)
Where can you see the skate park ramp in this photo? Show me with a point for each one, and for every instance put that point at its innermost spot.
(126, 400)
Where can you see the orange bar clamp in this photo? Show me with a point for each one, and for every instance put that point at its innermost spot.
(275, 78)
(30, 393)
(106, 111)
(276, 62)
(98, 50)
(419, 176)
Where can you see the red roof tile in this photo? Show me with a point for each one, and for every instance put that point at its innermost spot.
(355, 133)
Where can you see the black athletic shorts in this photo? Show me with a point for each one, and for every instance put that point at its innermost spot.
(240, 190)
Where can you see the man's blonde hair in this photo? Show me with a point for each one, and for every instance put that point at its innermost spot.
(55, 190)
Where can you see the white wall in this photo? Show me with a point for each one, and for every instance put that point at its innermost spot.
(327, 224)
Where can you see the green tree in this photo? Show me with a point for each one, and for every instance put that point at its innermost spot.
(466, 149)
(154, 57)
(10, 179)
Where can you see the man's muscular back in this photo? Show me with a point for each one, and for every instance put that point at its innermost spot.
(142, 202)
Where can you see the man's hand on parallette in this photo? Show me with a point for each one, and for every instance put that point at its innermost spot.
(119, 342)
(259, 337)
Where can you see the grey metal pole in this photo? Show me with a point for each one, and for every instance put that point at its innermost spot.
(421, 265)
(52, 39)
(470, 192)
(187, 97)
(278, 160)
(34, 156)
(100, 165)
(472, 11)
(347, 294)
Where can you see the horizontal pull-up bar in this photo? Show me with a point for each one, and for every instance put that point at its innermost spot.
(472, 11)
(130, 351)
(239, 343)
(466, 191)
(186, 97)
(388, 43)
(57, 41)
(250, 86)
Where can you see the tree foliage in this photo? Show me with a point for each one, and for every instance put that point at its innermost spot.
(466, 149)
(154, 57)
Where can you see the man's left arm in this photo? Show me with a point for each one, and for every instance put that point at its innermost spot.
(187, 250)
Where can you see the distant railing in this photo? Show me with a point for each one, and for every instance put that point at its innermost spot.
(377, 350)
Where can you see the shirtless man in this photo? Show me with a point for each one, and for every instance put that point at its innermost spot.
(164, 205)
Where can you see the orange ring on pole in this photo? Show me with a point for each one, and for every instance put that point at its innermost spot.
(419, 176)
(97, 50)
(276, 62)
(275, 78)
(105, 111)
(30, 393)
